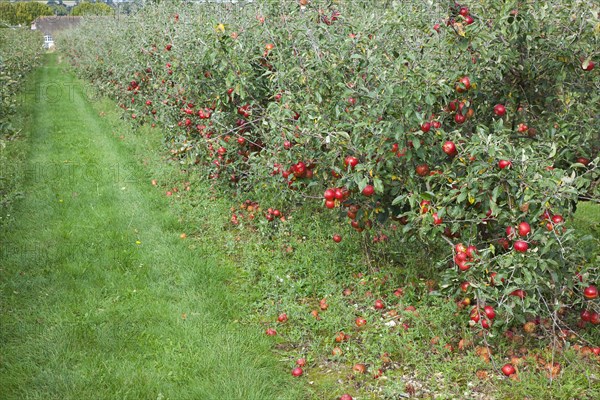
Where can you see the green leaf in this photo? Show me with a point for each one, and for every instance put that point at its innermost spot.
(552, 151)
(378, 185)
(398, 200)
(318, 97)
(361, 182)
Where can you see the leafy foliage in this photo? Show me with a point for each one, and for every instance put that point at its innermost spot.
(97, 9)
(23, 13)
(284, 93)
(14, 65)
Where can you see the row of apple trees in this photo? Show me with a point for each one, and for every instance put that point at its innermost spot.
(20, 52)
(474, 125)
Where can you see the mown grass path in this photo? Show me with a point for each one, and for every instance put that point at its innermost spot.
(99, 296)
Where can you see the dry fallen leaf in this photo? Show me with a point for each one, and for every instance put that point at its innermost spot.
(483, 352)
(482, 374)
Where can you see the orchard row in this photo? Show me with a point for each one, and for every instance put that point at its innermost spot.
(14, 66)
(473, 125)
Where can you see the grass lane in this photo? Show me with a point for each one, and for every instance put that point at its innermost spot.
(99, 297)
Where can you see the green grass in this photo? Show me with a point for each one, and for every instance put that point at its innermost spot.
(289, 266)
(587, 223)
(88, 312)
(99, 296)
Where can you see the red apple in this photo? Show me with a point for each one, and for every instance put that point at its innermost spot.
(379, 304)
(422, 170)
(475, 316)
(340, 337)
(558, 219)
(471, 251)
(460, 248)
(449, 148)
(360, 321)
(586, 315)
(510, 232)
(301, 362)
(546, 215)
(323, 304)
(524, 229)
(463, 266)
(426, 127)
(368, 190)
(590, 292)
(583, 160)
(508, 369)
(359, 368)
(463, 84)
(271, 332)
(499, 110)
(437, 220)
(299, 169)
(588, 66)
(338, 194)
(464, 11)
(351, 161)
(346, 397)
(502, 164)
(337, 238)
(459, 118)
(522, 128)
(521, 246)
(297, 372)
(452, 105)
(460, 257)
(489, 312)
(282, 317)
(504, 243)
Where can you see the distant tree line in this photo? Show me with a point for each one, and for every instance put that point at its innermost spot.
(24, 12)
